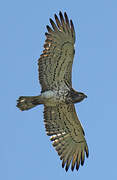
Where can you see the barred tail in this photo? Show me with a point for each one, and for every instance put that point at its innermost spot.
(28, 102)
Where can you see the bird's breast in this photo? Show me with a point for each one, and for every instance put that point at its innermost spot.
(54, 97)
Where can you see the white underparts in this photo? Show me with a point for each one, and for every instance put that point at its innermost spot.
(48, 94)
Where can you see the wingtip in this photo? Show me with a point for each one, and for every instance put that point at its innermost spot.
(49, 29)
(72, 168)
(66, 168)
(87, 151)
(60, 13)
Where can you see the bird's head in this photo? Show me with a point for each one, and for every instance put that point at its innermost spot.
(81, 96)
(78, 97)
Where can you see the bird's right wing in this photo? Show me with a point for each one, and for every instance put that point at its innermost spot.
(67, 134)
(55, 64)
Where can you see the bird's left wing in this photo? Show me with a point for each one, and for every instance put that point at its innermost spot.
(67, 134)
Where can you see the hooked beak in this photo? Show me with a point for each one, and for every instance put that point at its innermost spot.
(85, 96)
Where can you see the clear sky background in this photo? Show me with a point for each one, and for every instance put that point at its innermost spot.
(26, 153)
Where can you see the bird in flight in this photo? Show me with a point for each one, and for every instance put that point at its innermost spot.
(57, 94)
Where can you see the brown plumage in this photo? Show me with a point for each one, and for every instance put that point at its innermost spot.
(58, 96)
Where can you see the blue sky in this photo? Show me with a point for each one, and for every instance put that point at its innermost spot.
(25, 150)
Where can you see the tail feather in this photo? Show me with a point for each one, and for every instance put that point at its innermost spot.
(28, 102)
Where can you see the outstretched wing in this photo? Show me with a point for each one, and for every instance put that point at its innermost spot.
(67, 134)
(55, 63)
